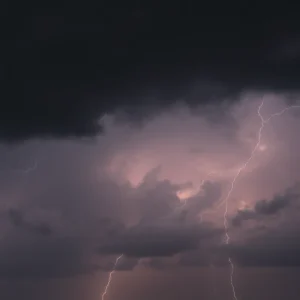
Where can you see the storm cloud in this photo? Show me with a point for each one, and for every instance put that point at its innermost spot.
(17, 219)
(66, 68)
(151, 241)
(123, 129)
(264, 208)
(155, 194)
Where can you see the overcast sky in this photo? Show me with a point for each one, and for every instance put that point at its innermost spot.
(124, 130)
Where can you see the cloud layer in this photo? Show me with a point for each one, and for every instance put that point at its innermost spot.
(154, 193)
(65, 69)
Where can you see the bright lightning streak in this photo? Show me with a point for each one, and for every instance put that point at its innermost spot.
(110, 277)
(263, 123)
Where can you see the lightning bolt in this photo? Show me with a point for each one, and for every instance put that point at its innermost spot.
(110, 277)
(263, 123)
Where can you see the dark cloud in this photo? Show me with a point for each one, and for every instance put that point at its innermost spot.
(271, 207)
(273, 244)
(16, 217)
(61, 70)
(197, 258)
(264, 208)
(165, 230)
(40, 259)
(261, 256)
(156, 198)
(278, 248)
(243, 215)
(159, 240)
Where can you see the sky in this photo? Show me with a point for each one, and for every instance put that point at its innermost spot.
(151, 132)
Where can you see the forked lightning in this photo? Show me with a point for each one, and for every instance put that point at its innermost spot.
(225, 201)
(263, 123)
(110, 276)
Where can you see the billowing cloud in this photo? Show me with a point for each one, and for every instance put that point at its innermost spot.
(264, 208)
(153, 192)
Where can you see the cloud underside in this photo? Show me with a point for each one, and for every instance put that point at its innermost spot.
(60, 76)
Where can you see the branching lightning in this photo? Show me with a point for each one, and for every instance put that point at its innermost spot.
(263, 123)
(110, 276)
(225, 201)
